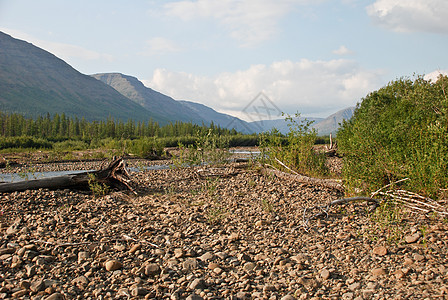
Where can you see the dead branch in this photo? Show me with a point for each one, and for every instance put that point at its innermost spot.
(114, 176)
(331, 183)
(324, 209)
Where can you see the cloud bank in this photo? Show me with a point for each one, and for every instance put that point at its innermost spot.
(310, 87)
(411, 15)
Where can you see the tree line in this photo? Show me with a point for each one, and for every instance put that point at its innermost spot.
(60, 127)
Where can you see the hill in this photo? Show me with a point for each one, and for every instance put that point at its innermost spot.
(34, 82)
(165, 106)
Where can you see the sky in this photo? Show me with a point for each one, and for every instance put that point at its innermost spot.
(313, 57)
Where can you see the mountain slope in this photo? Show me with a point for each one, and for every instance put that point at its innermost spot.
(35, 82)
(332, 122)
(162, 105)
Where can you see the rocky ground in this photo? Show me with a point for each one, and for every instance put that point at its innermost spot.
(215, 233)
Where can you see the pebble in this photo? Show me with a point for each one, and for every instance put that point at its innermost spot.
(325, 274)
(152, 269)
(378, 272)
(380, 250)
(55, 296)
(197, 283)
(113, 265)
(412, 238)
(65, 236)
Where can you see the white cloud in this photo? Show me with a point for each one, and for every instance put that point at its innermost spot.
(250, 21)
(160, 45)
(342, 50)
(434, 75)
(310, 87)
(61, 50)
(411, 15)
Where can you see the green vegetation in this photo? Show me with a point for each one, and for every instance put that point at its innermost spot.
(60, 133)
(296, 151)
(399, 131)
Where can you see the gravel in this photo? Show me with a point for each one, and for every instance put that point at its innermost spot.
(228, 232)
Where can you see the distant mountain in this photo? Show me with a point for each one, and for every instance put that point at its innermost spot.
(165, 106)
(331, 124)
(280, 124)
(34, 82)
(324, 126)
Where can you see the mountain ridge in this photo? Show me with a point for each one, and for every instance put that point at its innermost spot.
(35, 82)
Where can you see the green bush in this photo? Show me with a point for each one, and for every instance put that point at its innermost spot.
(399, 131)
(297, 151)
(24, 142)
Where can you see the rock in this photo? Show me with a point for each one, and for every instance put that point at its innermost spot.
(242, 296)
(37, 286)
(194, 297)
(139, 291)
(190, 264)
(20, 293)
(152, 270)
(378, 272)
(82, 280)
(348, 296)
(135, 248)
(82, 256)
(354, 286)
(197, 284)
(408, 261)
(249, 266)
(207, 256)
(113, 265)
(412, 238)
(288, 297)
(178, 253)
(213, 266)
(380, 250)
(325, 274)
(55, 296)
(418, 257)
(25, 284)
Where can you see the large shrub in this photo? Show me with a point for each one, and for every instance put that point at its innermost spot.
(399, 131)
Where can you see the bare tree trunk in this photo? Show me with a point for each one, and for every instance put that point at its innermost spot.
(114, 176)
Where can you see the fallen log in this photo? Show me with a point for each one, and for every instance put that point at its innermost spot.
(115, 176)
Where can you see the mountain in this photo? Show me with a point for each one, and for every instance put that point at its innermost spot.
(280, 124)
(34, 82)
(331, 123)
(324, 126)
(165, 106)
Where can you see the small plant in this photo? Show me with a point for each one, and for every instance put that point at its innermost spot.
(215, 215)
(388, 221)
(98, 189)
(267, 205)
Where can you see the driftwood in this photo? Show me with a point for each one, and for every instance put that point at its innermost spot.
(331, 183)
(114, 176)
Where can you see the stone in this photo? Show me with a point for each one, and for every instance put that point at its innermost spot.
(55, 296)
(152, 269)
(325, 274)
(190, 264)
(135, 248)
(113, 265)
(213, 266)
(139, 291)
(178, 253)
(287, 297)
(207, 256)
(20, 293)
(412, 238)
(82, 280)
(37, 286)
(378, 272)
(418, 257)
(194, 297)
(249, 266)
(197, 284)
(380, 250)
(354, 286)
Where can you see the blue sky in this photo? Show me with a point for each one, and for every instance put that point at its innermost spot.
(309, 56)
